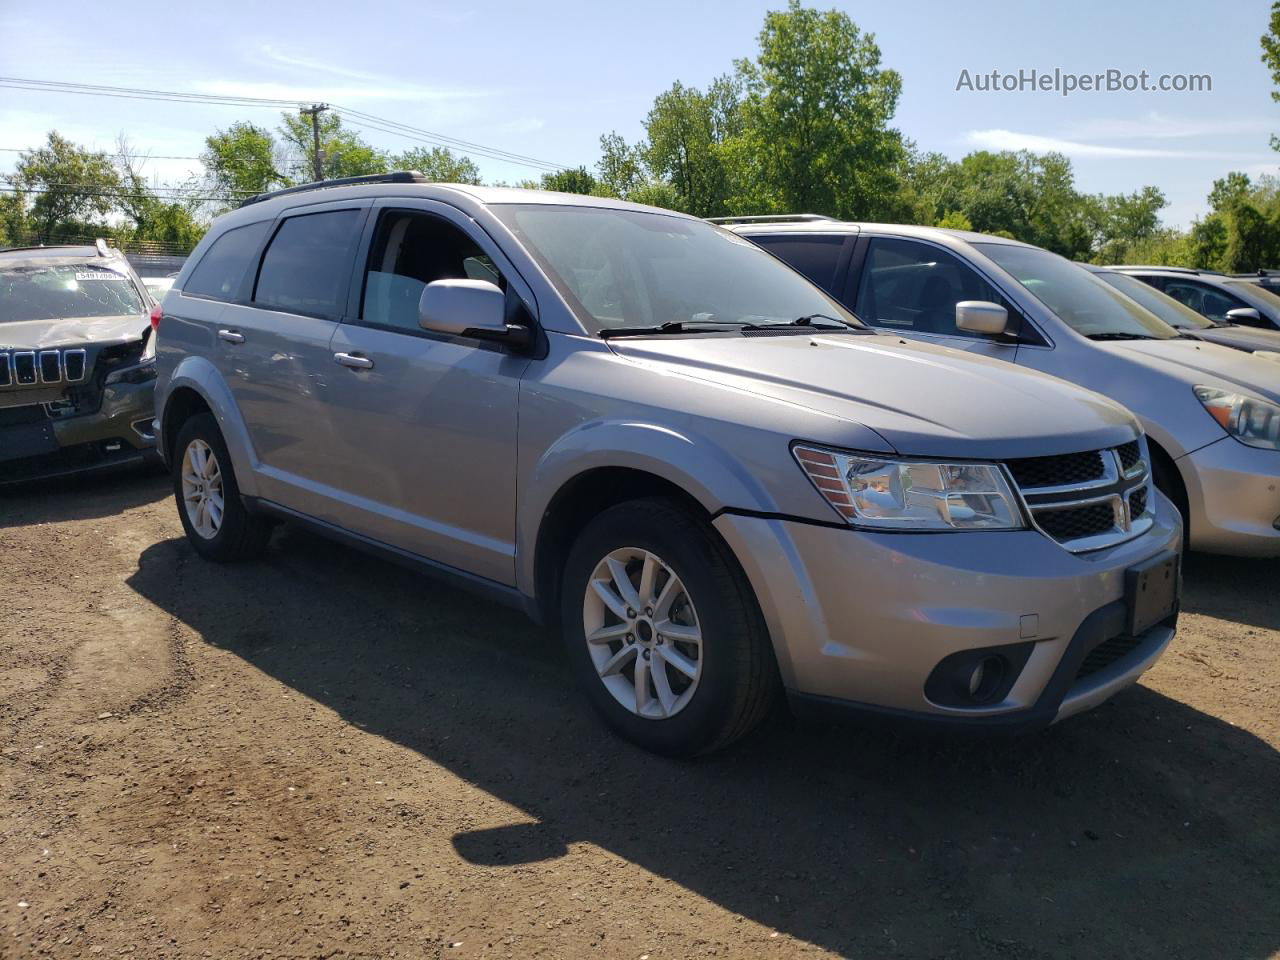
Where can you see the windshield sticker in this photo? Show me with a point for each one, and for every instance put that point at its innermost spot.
(97, 276)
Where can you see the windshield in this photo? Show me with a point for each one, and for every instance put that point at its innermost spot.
(1161, 304)
(66, 292)
(625, 269)
(1085, 303)
(1251, 292)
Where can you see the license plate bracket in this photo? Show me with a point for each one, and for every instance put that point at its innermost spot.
(1151, 592)
(27, 440)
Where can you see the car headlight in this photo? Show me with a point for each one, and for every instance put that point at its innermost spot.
(1248, 419)
(910, 495)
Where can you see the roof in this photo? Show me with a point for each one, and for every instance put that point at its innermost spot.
(408, 183)
(748, 229)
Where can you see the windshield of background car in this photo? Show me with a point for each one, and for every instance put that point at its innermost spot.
(628, 268)
(1251, 292)
(55, 292)
(1161, 304)
(1085, 303)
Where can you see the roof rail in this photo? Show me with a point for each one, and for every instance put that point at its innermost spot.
(399, 176)
(773, 218)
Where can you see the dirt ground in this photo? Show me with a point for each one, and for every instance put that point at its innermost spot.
(323, 755)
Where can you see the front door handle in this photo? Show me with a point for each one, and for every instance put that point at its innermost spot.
(231, 336)
(353, 360)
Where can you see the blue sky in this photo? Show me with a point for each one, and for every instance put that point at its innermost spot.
(546, 80)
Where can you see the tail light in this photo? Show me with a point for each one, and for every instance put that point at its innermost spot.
(156, 314)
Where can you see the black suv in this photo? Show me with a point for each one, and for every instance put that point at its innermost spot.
(77, 363)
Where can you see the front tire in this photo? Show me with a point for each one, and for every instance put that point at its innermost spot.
(218, 525)
(663, 630)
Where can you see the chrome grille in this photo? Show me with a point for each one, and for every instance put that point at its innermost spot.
(1087, 501)
(29, 368)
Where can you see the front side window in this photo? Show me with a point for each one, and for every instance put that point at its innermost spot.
(220, 273)
(1202, 298)
(1260, 298)
(907, 285)
(306, 266)
(621, 269)
(66, 291)
(818, 258)
(409, 251)
(1083, 302)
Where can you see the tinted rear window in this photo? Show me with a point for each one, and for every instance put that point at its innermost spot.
(221, 271)
(75, 290)
(307, 266)
(816, 257)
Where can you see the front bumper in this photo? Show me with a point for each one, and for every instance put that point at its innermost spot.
(1233, 492)
(865, 618)
(119, 434)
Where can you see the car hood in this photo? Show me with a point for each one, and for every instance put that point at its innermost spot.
(77, 331)
(923, 399)
(1197, 363)
(1241, 338)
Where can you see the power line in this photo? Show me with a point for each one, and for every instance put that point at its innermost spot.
(381, 124)
(118, 195)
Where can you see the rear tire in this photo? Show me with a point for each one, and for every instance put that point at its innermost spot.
(680, 661)
(218, 524)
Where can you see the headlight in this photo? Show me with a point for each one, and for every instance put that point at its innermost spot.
(909, 495)
(139, 373)
(1248, 419)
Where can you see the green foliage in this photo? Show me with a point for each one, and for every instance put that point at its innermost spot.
(815, 113)
(1271, 57)
(342, 152)
(577, 180)
(621, 168)
(954, 220)
(63, 183)
(241, 160)
(686, 131)
(439, 164)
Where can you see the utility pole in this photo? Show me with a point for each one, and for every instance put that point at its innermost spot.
(314, 111)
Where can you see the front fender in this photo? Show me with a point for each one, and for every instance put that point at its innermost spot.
(198, 374)
(699, 466)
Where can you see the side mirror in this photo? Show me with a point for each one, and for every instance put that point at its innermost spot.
(981, 316)
(1246, 315)
(469, 308)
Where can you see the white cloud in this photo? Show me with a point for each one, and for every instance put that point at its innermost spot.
(1158, 126)
(1013, 140)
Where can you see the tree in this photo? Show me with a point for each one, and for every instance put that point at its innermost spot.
(1271, 57)
(439, 164)
(70, 184)
(815, 118)
(342, 152)
(575, 180)
(621, 167)
(242, 160)
(686, 131)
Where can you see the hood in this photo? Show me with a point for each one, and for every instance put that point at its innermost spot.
(78, 331)
(1195, 363)
(1241, 338)
(923, 399)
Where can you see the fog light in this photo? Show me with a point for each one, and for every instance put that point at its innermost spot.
(977, 678)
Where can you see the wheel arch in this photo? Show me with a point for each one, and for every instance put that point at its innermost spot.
(196, 387)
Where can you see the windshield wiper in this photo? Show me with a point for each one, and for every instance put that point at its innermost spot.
(806, 321)
(1121, 336)
(672, 326)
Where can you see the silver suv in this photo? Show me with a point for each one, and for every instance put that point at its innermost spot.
(1212, 413)
(700, 469)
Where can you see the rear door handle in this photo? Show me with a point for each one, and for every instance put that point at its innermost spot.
(231, 336)
(353, 360)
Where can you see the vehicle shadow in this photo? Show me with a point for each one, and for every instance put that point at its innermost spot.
(1232, 588)
(1143, 829)
(84, 497)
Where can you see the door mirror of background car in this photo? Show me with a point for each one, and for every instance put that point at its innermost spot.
(469, 308)
(981, 316)
(1246, 315)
